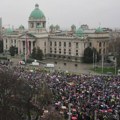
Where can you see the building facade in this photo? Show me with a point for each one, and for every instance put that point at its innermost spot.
(55, 43)
(0, 28)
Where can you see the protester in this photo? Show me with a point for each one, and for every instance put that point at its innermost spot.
(79, 97)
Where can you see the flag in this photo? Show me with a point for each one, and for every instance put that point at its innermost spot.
(27, 47)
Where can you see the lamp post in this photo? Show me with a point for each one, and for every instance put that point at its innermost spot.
(115, 65)
(102, 63)
(69, 111)
(93, 60)
(115, 62)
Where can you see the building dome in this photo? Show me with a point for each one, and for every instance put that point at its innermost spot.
(37, 13)
(79, 32)
(73, 26)
(21, 27)
(57, 27)
(52, 26)
(99, 30)
(9, 31)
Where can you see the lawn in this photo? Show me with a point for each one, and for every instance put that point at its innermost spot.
(106, 70)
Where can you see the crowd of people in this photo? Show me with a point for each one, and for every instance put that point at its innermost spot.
(80, 97)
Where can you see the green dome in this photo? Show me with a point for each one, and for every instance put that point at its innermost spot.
(73, 26)
(57, 27)
(79, 32)
(21, 27)
(99, 30)
(37, 13)
(51, 26)
(9, 31)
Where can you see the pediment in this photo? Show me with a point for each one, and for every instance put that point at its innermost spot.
(27, 35)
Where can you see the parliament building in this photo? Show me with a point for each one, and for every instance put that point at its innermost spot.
(68, 45)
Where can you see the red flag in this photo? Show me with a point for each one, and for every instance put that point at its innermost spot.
(27, 47)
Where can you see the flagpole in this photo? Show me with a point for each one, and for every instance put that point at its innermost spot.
(25, 48)
(115, 65)
(93, 60)
(102, 62)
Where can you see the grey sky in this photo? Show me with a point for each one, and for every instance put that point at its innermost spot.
(63, 12)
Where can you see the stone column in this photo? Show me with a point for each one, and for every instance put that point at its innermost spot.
(13, 42)
(21, 42)
(4, 44)
(19, 47)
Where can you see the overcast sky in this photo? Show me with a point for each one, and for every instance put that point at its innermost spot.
(63, 12)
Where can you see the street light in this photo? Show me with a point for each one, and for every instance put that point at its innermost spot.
(69, 111)
(93, 60)
(115, 62)
(102, 63)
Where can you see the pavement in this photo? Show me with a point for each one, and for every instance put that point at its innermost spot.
(72, 67)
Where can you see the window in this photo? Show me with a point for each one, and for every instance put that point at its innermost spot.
(104, 51)
(90, 44)
(64, 44)
(69, 51)
(64, 51)
(76, 52)
(69, 58)
(69, 44)
(76, 65)
(55, 44)
(44, 43)
(76, 45)
(59, 43)
(55, 49)
(37, 24)
(50, 50)
(59, 51)
(99, 44)
(99, 51)
(65, 64)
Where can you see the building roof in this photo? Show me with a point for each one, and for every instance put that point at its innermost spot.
(37, 13)
(9, 31)
(21, 27)
(99, 30)
(79, 32)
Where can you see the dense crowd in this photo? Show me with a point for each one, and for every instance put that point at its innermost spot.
(80, 97)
